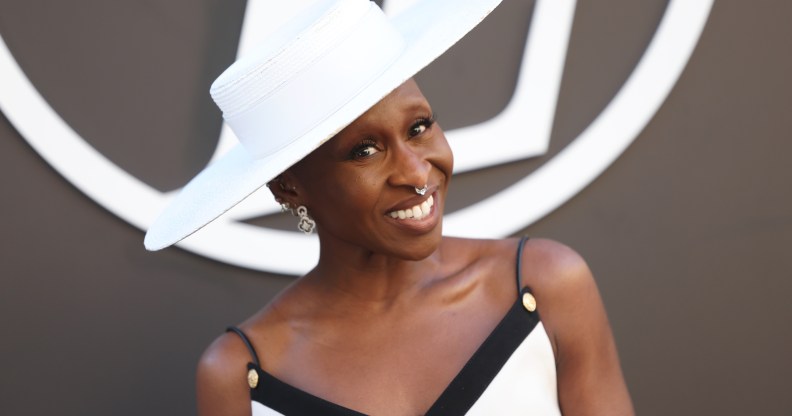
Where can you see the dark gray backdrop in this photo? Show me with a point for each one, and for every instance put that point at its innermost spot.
(688, 233)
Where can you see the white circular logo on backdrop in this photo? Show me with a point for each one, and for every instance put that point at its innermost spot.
(230, 240)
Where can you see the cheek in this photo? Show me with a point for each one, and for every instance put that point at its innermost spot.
(337, 198)
(362, 192)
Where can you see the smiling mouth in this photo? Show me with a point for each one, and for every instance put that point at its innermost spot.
(416, 213)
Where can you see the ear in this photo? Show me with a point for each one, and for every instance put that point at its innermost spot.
(284, 189)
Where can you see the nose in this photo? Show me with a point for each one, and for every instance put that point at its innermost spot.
(410, 166)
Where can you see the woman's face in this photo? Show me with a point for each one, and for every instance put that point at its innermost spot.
(360, 186)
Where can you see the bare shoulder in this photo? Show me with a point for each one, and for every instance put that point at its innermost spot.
(550, 262)
(549, 266)
(590, 380)
(566, 293)
(552, 270)
(490, 259)
(221, 377)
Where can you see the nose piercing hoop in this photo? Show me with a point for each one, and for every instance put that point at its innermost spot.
(421, 191)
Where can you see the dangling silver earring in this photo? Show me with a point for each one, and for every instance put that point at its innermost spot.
(306, 224)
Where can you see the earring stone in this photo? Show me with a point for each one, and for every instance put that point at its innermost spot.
(306, 224)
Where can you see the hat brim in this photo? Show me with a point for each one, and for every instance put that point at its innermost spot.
(429, 28)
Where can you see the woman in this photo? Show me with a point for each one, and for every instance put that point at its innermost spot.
(395, 319)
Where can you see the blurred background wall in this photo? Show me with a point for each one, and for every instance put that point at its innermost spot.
(688, 232)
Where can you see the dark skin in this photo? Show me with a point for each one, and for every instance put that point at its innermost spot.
(395, 301)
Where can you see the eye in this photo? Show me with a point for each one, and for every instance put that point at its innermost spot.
(421, 125)
(363, 150)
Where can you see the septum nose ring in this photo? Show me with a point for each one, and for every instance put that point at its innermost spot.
(421, 191)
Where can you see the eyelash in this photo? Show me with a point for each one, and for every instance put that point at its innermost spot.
(360, 151)
(425, 122)
(364, 145)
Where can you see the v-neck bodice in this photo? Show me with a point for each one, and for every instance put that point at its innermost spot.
(513, 368)
(512, 372)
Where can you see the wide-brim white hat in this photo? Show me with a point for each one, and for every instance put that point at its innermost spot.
(308, 80)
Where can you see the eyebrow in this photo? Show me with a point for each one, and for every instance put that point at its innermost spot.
(418, 103)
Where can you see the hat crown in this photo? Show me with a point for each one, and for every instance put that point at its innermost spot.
(308, 69)
(291, 46)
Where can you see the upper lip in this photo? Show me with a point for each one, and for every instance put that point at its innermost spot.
(413, 201)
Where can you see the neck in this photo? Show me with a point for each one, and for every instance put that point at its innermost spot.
(378, 280)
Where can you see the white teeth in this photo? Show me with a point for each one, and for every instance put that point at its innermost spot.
(425, 208)
(417, 212)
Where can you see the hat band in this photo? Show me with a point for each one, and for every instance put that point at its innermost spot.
(321, 88)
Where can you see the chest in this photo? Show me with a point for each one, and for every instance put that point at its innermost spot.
(399, 366)
(512, 372)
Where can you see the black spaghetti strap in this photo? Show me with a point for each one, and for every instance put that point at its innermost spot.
(519, 264)
(246, 341)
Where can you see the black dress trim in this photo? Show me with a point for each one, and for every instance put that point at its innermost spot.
(460, 395)
(474, 378)
(291, 401)
(457, 398)
(247, 342)
(518, 264)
